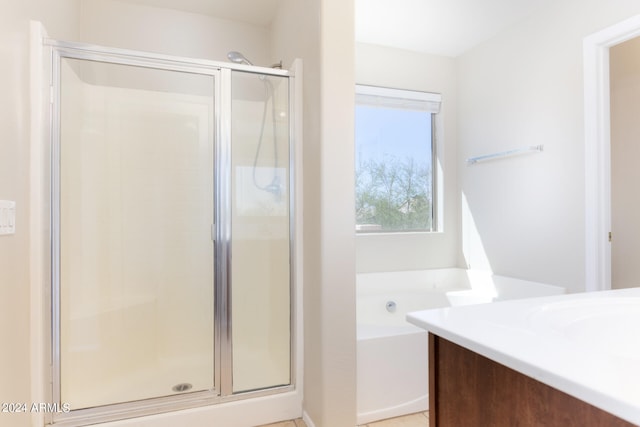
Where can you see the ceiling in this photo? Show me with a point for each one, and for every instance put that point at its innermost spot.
(442, 27)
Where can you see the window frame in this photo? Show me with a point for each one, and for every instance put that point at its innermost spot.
(413, 100)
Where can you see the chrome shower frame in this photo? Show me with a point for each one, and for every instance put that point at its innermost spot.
(223, 391)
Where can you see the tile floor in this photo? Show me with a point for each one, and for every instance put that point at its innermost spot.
(420, 419)
(293, 423)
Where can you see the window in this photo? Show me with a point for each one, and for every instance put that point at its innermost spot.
(395, 154)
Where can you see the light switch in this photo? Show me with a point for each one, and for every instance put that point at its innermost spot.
(7, 217)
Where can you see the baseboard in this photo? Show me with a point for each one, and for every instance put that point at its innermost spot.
(307, 419)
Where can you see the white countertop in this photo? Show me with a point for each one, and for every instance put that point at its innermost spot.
(586, 345)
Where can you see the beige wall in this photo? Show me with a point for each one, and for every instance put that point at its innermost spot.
(401, 69)
(60, 18)
(120, 24)
(524, 87)
(625, 152)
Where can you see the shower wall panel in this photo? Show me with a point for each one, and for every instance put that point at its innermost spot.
(136, 192)
(260, 276)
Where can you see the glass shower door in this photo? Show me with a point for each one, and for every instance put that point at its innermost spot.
(261, 234)
(136, 214)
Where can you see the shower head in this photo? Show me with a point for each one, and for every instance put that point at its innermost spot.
(238, 58)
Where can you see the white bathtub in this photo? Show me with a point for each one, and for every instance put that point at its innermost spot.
(392, 354)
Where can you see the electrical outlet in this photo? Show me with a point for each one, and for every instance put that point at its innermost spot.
(7, 217)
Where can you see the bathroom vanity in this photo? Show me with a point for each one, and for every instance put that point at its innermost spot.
(569, 360)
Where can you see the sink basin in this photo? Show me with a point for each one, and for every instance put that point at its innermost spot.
(601, 325)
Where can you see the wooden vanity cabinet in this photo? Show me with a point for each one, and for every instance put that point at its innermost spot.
(467, 389)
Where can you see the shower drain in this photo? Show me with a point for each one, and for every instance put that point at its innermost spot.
(178, 388)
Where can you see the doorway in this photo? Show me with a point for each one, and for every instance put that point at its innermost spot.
(598, 149)
(624, 66)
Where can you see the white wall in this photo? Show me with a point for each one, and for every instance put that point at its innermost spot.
(524, 87)
(321, 33)
(625, 151)
(401, 69)
(337, 360)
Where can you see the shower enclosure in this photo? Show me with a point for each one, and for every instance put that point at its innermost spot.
(172, 236)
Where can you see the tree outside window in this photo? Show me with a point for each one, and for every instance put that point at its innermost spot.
(394, 163)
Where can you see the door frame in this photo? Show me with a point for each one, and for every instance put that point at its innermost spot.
(597, 122)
